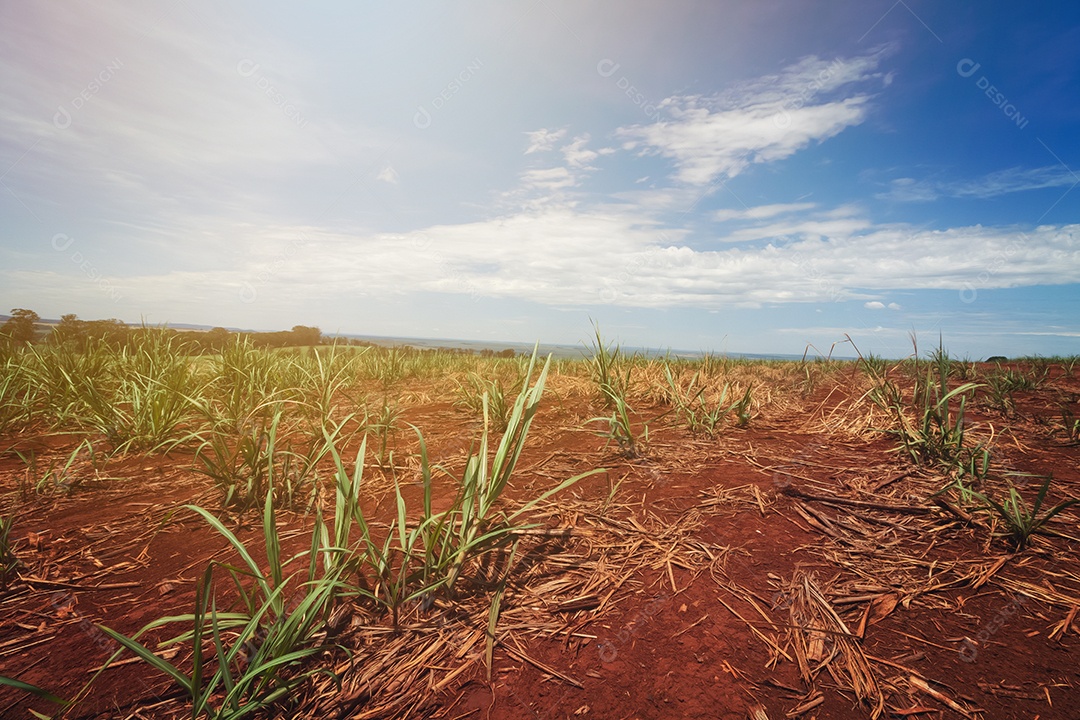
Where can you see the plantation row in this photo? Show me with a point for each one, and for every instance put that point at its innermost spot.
(151, 392)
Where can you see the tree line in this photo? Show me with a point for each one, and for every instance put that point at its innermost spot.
(25, 326)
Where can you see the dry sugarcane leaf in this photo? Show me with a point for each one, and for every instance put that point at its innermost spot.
(915, 710)
(985, 577)
(833, 500)
(541, 666)
(585, 602)
(917, 682)
(860, 631)
(890, 480)
(881, 607)
(806, 706)
(816, 647)
(816, 629)
(757, 712)
(1062, 628)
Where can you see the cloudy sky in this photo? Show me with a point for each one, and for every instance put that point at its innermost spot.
(729, 176)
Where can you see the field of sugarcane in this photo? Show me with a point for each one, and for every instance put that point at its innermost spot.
(363, 532)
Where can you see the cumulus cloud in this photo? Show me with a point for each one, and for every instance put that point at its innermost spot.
(564, 256)
(764, 120)
(567, 255)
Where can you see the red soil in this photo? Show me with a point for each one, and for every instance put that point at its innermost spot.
(117, 551)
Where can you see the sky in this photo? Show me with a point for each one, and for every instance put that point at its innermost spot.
(755, 177)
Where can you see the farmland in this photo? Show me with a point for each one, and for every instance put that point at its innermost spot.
(387, 532)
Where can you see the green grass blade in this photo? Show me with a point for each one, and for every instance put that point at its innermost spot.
(548, 493)
(237, 545)
(148, 656)
(32, 689)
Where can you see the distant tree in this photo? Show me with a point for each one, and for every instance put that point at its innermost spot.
(278, 339)
(112, 331)
(69, 329)
(507, 353)
(304, 335)
(20, 326)
(216, 338)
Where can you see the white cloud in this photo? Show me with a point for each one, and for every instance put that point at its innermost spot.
(874, 305)
(761, 212)
(991, 185)
(577, 156)
(548, 179)
(388, 174)
(161, 123)
(819, 227)
(1015, 180)
(909, 190)
(567, 257)
(543, 140)
(764, 120)
(563, 256)
(540, 187)
(658, 199)
(894, 306)
(1075, 334)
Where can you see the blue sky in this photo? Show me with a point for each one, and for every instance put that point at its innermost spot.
(744, 177)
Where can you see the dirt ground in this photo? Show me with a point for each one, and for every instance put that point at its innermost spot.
(796, 567)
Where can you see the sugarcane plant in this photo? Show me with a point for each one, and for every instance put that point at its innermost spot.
(1020, 520)
(937, 432)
